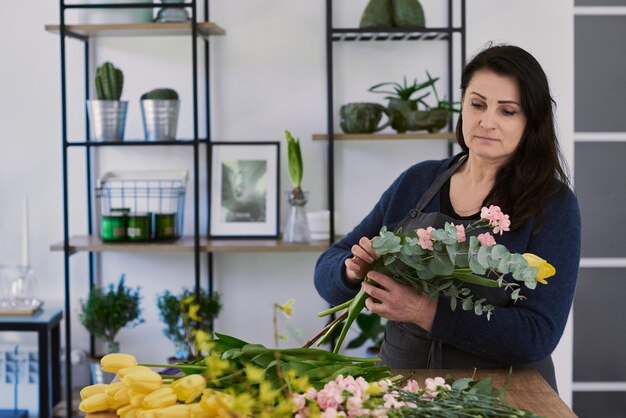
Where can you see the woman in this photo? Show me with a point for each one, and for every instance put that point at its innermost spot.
(511, 159)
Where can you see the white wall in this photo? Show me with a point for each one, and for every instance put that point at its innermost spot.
(268, 75)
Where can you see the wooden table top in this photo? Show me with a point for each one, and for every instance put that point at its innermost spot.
(526, 390)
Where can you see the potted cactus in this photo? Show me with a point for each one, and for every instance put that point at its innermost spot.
(159, 112)
(107, 114)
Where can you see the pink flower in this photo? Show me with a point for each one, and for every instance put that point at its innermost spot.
(425, 239)
(497, 220)
(310, 393)
(354, 404)
(298, 401)
(486, 239)
(433, 386)
(329, 397)
(460, 233)
(412, 386)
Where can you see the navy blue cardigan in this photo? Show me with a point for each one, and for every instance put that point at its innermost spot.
(523, 332)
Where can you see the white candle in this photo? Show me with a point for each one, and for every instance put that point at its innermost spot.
(25, 261)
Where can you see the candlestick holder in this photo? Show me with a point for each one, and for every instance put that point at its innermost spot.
(19, 290)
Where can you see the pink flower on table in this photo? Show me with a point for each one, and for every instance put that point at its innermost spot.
(497, 220)
(412, 386)
(433, 386)
(460, 233)
(425, 239)
(486, 239)
(330, 397)
(310, 394)
(332, 413)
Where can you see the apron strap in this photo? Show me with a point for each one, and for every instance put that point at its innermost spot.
(437, 184)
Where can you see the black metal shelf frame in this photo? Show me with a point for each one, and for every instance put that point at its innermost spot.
(195, 142)
(390, 34)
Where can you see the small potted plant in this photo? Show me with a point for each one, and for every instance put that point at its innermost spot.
(159, 112)
(105, 312)
(184, 315)
(297, 227)
(107, 113)
(434, 118)
(402, 102)
(372, 331)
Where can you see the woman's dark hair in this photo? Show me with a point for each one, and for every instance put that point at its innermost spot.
(535, 171)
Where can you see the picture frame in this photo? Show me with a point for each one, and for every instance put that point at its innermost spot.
(244, 180)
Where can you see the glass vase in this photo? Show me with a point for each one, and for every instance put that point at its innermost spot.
(297, 227)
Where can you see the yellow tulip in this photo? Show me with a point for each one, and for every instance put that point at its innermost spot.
(197, 411)
(160, 398)
(94, 403)
(174, 411)
(125, 411)
(91, 390)
(111, 363)
(188, 388)
(544, 269)
(126, 370)
(136, 398)
(146, 413)
(144, 381)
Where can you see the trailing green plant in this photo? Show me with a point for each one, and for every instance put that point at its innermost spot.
(185, 314)
(160, 94)
(294, 160)
(105, 312)
(109, 82)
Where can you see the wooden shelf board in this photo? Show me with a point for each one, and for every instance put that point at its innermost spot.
(368, 137)
(205, 29)
(186, 244)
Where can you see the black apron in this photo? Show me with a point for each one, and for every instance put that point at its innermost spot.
(407, 346)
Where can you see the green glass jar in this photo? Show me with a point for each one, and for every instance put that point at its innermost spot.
(113, 227)
(165, 226)
(138, 226)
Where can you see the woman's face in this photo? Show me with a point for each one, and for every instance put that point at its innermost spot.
(493, 119)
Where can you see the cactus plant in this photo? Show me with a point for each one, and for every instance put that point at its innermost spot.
(109, 82)
(160, 94)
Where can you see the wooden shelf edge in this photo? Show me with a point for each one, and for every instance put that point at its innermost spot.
(205, 29)
(85, 243)
(388, 136)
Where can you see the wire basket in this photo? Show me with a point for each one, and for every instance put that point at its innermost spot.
(141, 205)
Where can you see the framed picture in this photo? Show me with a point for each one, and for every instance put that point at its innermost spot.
(244, 190)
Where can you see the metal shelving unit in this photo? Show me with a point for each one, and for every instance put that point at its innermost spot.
(90, 244)
(445, 34)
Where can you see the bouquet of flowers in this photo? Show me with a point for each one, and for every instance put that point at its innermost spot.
(236, 388)
(437, 261)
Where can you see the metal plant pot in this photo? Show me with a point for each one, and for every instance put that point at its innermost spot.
(107, 119)
(160, 119)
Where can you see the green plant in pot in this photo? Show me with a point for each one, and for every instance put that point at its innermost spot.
(184, 315)
(372, 331)
(159, 112)
(297, 226)
(433, 118)
(107, 113)
(106, 311)
(401, 100)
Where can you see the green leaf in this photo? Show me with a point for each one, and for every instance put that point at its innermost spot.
(294, 159)
(468, 303)
(483, 256)
(440, 266)
(476, 267)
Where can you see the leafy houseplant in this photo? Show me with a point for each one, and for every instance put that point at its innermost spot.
(434, 118)
(159, 112)
(401, 100)
(107, 113)
(104, 313)
(184, 315)
(297, 228)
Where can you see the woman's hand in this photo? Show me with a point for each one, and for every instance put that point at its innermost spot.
(363, 255)
(398, 302)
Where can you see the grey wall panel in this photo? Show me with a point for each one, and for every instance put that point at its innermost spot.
(600, 3)
(600, 180)
(599, 404)
(599, 315)
(599, 76)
